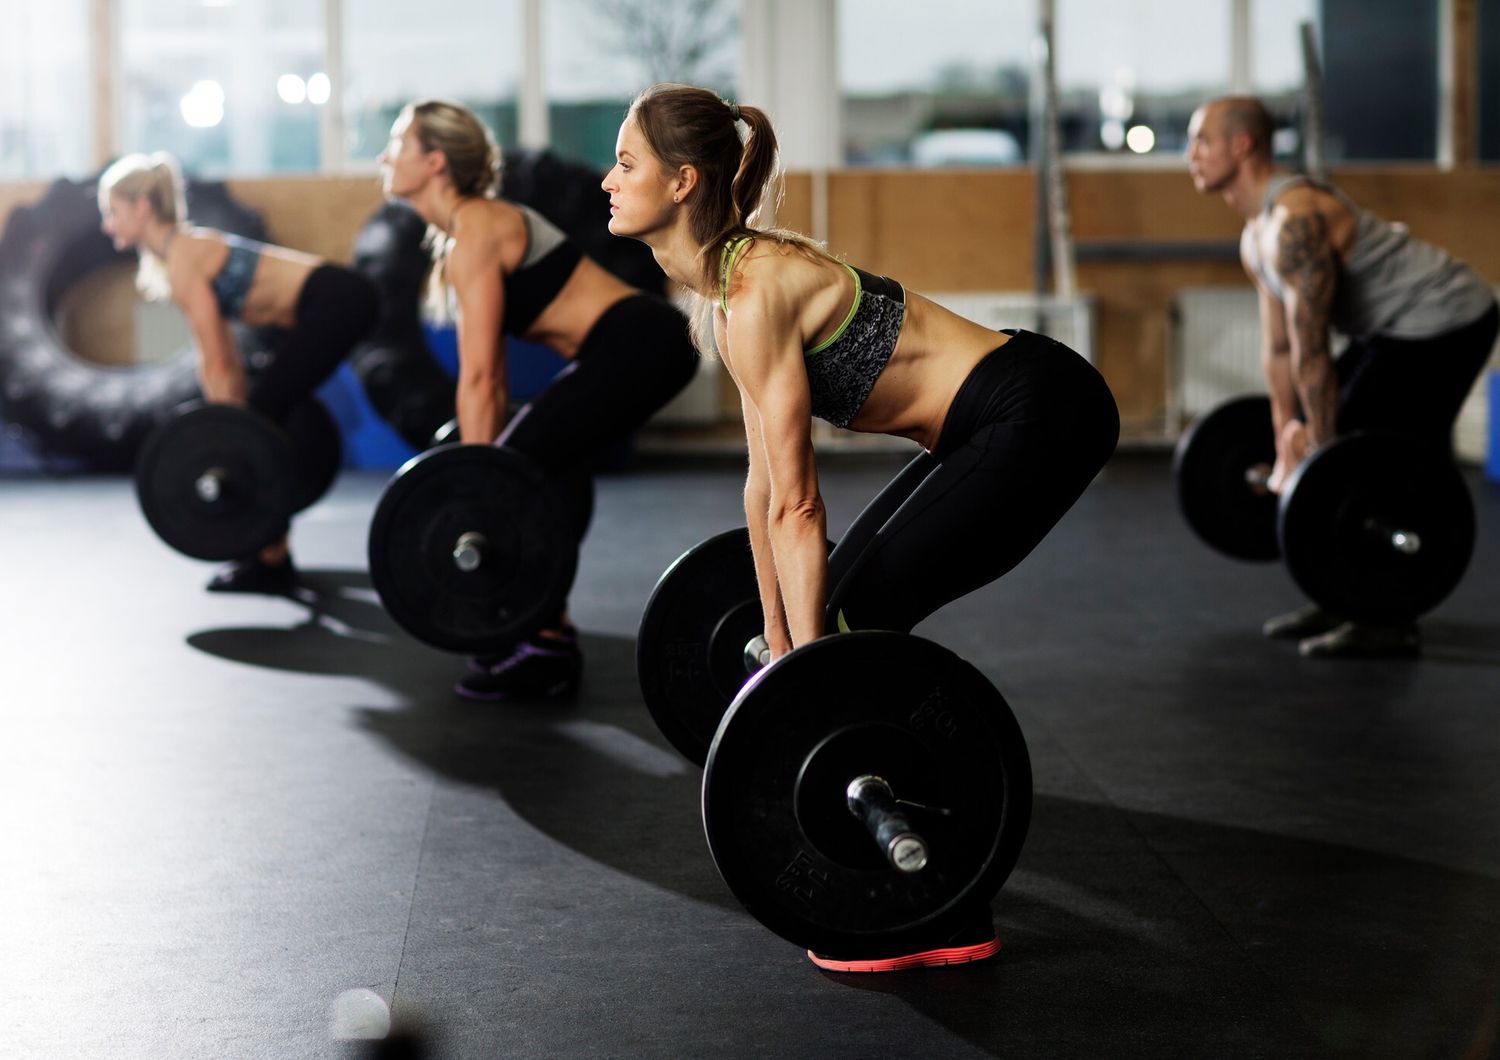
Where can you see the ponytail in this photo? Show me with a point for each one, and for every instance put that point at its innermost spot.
(739, 177)
(157, 178)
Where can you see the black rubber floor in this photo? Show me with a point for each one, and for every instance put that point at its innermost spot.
(235, 827)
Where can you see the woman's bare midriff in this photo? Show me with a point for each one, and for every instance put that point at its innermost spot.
(272, 298)
(934, 355)
(570, 316)
(279, 276)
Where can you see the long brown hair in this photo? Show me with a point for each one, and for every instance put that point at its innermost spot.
(739, 181)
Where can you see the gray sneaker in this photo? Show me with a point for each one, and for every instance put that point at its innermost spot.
(1354, 640)
(1307, 621)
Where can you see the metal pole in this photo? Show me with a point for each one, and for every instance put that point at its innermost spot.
(1314, 162)
(1041, 267)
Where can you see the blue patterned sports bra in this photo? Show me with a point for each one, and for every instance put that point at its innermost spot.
(232, 284)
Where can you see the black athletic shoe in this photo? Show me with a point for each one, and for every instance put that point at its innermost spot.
(253, 576)
(1356, 640)
(538, 668)
(1307, 621)
(483, 664)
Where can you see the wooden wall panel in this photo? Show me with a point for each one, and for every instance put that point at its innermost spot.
(946, 231)
(320, 215)
(972, 230)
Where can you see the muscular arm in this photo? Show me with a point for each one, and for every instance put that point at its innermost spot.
(221, 372)
(483, 390)
(1306, 262)
(764, 355)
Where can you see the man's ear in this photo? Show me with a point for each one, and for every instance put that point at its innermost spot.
(1240, 144)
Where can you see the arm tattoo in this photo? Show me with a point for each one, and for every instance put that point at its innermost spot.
(1304, 259)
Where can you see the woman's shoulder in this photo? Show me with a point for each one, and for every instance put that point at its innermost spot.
(196, 251)
(774, 275)
(487, 226)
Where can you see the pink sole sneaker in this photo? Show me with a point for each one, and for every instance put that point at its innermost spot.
(938, 958)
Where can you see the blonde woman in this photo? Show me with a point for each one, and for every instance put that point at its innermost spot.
(506, 271)
(1013, 425)
(215, 278)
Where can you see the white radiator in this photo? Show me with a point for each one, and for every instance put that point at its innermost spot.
(1068, 320)
(1216, 349)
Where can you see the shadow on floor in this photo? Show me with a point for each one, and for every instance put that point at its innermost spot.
(1144, 929)
(346, 632)
(558, 764)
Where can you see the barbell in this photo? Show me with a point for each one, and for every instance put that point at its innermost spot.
(1374, 528)
(470, 548)
(862, 793)
(221, 482)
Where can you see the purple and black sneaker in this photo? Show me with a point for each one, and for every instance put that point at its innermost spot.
(540, 667)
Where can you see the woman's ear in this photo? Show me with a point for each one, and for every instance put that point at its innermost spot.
(685, 180)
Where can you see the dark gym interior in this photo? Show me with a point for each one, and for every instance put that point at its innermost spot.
(265, 825)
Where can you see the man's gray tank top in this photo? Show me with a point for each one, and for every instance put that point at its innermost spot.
(1390, 283)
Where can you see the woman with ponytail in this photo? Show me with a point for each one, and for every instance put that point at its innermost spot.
(1013, 425)
(508, 271)
(215, 277)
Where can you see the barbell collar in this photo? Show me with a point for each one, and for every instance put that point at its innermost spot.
(209, 486)
(468, 551)
(757, 654)
(871, 801)
(1407, 542)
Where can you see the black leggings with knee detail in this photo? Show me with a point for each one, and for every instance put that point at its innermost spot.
(1026, 433)
(635, 359)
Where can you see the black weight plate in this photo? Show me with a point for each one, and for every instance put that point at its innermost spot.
(889, 704)
(527, 565)
(1208, 469)
(317, 452)
(254, 463)
(689, 652)
(1337, 514)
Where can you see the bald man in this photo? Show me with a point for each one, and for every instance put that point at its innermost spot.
(1420, 325)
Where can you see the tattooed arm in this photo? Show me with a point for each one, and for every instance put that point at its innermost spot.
(1307, 264)
(1275, 361)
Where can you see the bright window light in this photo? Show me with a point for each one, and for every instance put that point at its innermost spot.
(291, 88)
(1140, 139)
(203, 105)
(318, 89)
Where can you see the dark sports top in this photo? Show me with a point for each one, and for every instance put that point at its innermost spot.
(842, 369)
(549, 261)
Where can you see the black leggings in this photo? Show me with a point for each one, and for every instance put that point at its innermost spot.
(1027, 432)
(1413, 387)
(635, 359)
(336, 309)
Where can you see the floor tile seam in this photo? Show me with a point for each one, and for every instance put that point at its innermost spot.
(411, 906)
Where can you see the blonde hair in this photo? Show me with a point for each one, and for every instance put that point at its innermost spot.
(739, 181)
(474, 164)
(157, 178)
